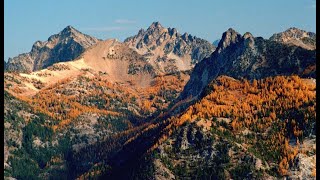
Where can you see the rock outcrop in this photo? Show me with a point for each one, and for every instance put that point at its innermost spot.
(168, 50)
(296, 37)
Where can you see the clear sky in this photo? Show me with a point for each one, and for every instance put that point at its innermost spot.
(26, 21)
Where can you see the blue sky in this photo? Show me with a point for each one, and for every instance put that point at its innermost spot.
(28, 21)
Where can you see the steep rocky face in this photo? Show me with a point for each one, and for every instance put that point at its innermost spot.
(168, 50)
(297, 37)
(249, 57)
(64, 46)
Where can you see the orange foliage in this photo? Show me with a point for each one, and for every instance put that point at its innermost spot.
(257, 106)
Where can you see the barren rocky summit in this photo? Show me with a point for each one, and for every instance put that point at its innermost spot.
(169, 50)
(297, 37)
(64, 46)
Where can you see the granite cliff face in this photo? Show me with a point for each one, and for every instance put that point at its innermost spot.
(168, 50)
(296, 37)
(64, 46)
(252, 58)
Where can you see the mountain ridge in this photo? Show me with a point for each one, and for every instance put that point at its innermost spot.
(67, 45)
(245, 56)
(167, 49)
(297, 37)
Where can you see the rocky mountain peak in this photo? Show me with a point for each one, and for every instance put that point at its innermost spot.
(297, 37)
(37, 45)
(185, 37)
(64, 46)
(69, 30)
(173, 31)
(253, 58)
(293, 29)
(228, 38)
(141, 31)
(155, 29)
(167, 49)
(248, 39)
(247, 35)
(295, 33)
(155, 25)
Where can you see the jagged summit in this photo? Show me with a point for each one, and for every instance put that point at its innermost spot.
(294, 33)
(229, 37)
(253, 58)
(155, 25)
(297, 37)
(155, 29)
(247, 35)
(293, 29)
(249, 40)
(231, 30)
(64, 46)
(66, 32)
(297, 31)
(167, 49)
(69, 30)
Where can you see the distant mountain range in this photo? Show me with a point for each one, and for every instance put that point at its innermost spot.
(162, 105)
(165, 48)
